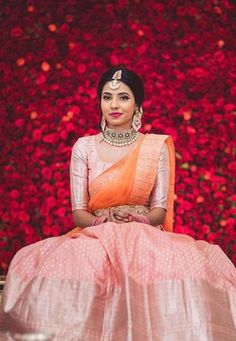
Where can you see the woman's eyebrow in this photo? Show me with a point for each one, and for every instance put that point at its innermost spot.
(119, 93)
(123, 93)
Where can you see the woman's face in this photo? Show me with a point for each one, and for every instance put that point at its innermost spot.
(118, 106)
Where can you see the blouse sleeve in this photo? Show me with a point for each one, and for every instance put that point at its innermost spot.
(79, 177)
(159, 193)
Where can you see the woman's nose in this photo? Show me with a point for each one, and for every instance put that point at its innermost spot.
(114, 103)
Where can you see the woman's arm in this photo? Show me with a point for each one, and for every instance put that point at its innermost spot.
(156, 216)
(83, 218)
(158, 199)
(79, 185)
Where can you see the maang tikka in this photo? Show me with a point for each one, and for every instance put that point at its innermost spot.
(115, 82)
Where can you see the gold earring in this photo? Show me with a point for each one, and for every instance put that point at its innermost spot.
(136, 123)
(103, 124)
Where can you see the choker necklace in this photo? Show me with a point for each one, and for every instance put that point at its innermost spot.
(119, 138)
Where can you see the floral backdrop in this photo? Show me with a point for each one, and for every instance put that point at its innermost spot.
(52, 54)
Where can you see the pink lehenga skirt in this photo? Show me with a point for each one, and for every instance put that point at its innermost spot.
(118, 282)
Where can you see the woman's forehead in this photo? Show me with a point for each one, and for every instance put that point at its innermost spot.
(122, 88)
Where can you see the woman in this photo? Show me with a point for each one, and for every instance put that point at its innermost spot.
(122, 274)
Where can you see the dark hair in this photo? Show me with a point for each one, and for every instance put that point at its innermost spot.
(128, 77)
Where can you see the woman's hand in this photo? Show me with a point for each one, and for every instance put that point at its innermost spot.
(141, 218)
(100, 220)
(120, 215)
(123, 215)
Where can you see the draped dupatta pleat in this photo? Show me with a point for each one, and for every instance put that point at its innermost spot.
(131, 180)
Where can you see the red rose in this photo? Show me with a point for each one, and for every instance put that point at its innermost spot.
(16, 32)
(50, 138)
(47, 173)
(23, 216)
(14, 194)
(61, 212)
(50, 202)
(37, 134)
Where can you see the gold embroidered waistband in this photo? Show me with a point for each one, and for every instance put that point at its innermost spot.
(137, 209)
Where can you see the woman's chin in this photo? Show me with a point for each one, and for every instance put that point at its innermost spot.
(118, 126)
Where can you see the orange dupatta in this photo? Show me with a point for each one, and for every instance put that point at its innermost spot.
(130, 180)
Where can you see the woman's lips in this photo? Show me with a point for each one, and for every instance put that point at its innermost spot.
(115, 114)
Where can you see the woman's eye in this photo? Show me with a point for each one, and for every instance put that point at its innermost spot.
(124, 98)
(106, 97)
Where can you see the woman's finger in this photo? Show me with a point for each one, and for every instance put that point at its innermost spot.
(121, 214)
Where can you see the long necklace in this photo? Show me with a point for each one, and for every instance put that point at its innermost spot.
(119, 138)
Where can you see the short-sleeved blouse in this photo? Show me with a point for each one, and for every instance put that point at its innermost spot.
(86, 165)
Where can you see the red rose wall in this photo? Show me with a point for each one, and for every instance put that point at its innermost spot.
(52, 54)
